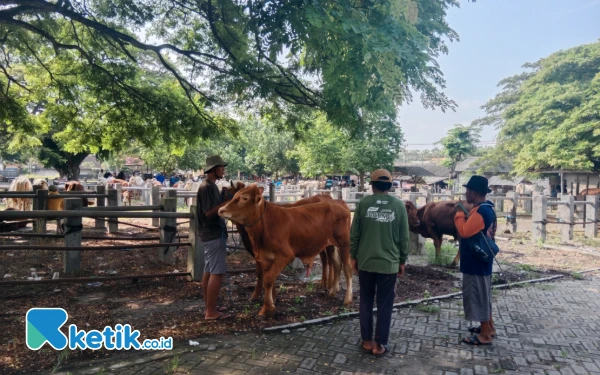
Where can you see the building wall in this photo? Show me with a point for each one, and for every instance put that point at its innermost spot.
(572, 178)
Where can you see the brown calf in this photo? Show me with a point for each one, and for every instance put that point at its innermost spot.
(278, 235)
(433, 221)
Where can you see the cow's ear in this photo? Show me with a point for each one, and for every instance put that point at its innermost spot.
(261, 190)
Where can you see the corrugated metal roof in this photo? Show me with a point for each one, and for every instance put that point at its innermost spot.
(499, 181)
(423, 170)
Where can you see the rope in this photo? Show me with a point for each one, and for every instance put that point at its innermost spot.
(131, 225)
(558, 221)
(72, 229)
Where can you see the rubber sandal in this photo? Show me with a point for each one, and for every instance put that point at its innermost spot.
(474, 341)
(362, 345)
(385, 350)
(477, 330)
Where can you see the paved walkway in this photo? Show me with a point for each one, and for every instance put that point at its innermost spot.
(547, 329)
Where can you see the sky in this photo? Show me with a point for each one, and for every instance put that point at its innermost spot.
(496, 38)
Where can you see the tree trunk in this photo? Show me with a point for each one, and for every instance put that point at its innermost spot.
(66, 163)
(361, 179)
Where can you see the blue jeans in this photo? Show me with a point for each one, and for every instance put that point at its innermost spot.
(383, 287)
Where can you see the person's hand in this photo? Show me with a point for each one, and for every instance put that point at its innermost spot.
(354, 265)
(401, 270)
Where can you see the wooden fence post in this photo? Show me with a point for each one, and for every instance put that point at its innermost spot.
(195, 260)
(146, 194)
(512, 217)
(40, 204)
(119, 189)
(310, 191)
(100, 202)
(539, 218)
(566, 215)
(73, 227)
(155, 201)
(271, 192)
(113, 201)
(168, 230)
(416, 241)
(591, 210)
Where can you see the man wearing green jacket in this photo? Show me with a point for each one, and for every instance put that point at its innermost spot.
(379, 249)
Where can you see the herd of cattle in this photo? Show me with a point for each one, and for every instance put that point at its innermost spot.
(276, 234)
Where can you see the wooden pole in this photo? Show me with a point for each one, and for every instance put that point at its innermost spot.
(40, 204)
(538, 233)
(566, 215)
(271, 192)
(119, 189)
(113, 201)
(73, 227)
(155, 201)
(168, 230)
(591, 230)
(195, 260)
(100, 202)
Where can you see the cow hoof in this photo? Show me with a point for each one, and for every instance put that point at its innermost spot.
(254, 298)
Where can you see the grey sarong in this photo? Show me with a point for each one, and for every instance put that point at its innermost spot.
(477, 297)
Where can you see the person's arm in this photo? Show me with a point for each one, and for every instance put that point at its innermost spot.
(404, 236)
(468, 227)
(206, 198)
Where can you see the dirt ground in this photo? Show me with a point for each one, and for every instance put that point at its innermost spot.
(173, 306)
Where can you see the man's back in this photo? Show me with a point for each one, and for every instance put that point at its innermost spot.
(379, 238)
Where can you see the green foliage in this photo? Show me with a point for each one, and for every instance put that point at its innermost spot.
(548, 116)
(458, 144)
(355, 63)
(577, 276)
(430, 309)
(447, 254)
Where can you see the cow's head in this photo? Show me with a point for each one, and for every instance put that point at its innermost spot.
(246, 206)
(227, 193)
(413, 216)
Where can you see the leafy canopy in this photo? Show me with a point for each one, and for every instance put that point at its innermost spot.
(548, 116)
(458, 144)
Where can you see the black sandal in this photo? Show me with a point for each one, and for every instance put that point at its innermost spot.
(477, 330)
(474, 340)
(362, 345)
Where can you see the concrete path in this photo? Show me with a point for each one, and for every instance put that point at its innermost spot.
(550, 329)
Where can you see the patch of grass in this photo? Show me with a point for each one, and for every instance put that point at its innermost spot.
(564, 353)
(173, 365)
(526, 267)
(447, 254)
(328, 313)
(498, 370)
(298, 300)
(556, 366)
(62, 356)
(455, 290)
(302, 318)
(283, 288)
(577, 276)
(545, 286)
(253, 353)
(430, 309)
(293, 309)
(426, 294)
(310, 287)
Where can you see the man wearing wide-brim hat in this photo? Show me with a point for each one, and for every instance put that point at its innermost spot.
(477, 275)
(213, 234)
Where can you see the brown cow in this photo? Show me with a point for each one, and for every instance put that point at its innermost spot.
(77, 186)
(329, 259)
(591, 191)
(433, 221)
(278, 235)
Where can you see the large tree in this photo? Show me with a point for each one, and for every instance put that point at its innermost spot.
(458, 144)
(548, 116)
(346, 57)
